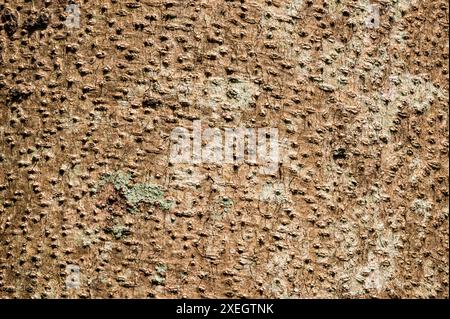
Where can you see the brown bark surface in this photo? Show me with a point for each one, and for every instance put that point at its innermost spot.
(358, 207)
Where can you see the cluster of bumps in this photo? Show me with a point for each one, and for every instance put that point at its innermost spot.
(357, 209)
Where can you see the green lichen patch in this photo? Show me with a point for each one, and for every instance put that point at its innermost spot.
(118, 231)
(161, 268)
(136, 194)
(226, 203)
(160, 277)
(146, 193)
(120, 180)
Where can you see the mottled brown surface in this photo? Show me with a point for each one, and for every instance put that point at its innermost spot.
(358, 207)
